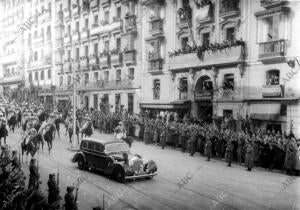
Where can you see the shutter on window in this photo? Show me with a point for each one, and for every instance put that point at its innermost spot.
(276, 23)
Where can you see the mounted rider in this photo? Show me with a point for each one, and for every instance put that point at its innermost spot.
(87, 127)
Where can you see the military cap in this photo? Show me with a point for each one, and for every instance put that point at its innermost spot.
(70, 188)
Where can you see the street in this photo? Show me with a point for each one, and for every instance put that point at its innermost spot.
(183, 182)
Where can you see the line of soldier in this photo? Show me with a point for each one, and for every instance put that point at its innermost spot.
(15, 196)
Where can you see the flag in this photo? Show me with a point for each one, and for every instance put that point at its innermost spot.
(202, 12)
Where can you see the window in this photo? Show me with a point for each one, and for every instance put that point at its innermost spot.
(35, 56)
(42, 53)
(106, 76)
(96, 19)
(96, 75)
(270, 27)
(69, 55)
(30, 77)
(42, 33)
(99, 147)
(96, 49)
(42, 75)
(205, 39)
(61, 81)
(35, 34)
(183, 88)
(91, 146)
(86, 78)
(69, 79)
(230, 34)
(118, 76)
(77, 27)
(130, 103)
(131, 74)
(36, 75)
(228, 82)
(86, 51)
(119, 44)
(106, 16)
(156, 89)
(49, 74)
(86, 23)
(77, 54)
(118, 13)
(118, 102)
(83, 144)
(106, 46)
(272, 77)
(48, 33)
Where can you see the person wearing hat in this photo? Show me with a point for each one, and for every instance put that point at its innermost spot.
(4, 155)
(53, 189)
(229, 152)
(34, 174)
(249, 156)
(70, 200)
(3, 130)
(192, 141)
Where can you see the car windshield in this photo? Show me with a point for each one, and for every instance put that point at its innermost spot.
(116, 148)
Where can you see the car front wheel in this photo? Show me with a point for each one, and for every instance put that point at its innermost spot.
(81, 164)
(119, 175)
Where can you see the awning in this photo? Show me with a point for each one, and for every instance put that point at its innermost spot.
(272, 100)
(172, 105)
(202, 12)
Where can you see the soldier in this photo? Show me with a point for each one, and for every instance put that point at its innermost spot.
(192, 141)
(36, 200)
(183, 138)
(15, 161)
(208, 148)
(290, 155)
(70, 200)
(4, 155)
(53, 189)
(229, 152)
(34, 174)
(163, 136)
(249, 156)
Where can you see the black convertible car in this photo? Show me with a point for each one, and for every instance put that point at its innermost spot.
(113, 158)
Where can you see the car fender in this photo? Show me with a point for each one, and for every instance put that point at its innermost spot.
(77, 156)
(111, 168)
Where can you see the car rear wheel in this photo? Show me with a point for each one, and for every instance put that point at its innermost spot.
(119, 175)
(81, 164)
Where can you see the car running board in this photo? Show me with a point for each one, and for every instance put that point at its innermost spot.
(140, 176)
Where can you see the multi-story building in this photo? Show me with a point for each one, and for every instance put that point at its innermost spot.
(11, 49)
(97, 41)
(222, 58)
(39, 50)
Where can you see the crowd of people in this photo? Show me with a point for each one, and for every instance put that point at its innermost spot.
(248, 145)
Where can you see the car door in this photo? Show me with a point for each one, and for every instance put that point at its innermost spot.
(101, 157)
(91, 155)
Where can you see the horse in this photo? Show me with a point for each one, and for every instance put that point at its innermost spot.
(12, 122)
(87, 129)
(3, 132)
(32, 145)
(19, 119)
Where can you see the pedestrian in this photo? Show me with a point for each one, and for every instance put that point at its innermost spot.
(290, 161)
(208, 148)
(163, 136)
(192, 142)
(249, 156)
(34, 174)
(53, 190)
(70, 199)
(15, 160)
(229, 152)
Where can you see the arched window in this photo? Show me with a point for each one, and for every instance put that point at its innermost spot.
(272, 77)
(204, 84)
(183, 88)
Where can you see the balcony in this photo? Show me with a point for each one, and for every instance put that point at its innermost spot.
(85, 33)
(94, 4)
(271, 3)
(84, 65)
(76, 36)
(76, 66)
(229, 8)
(95, 29)
(203, 96)
(106, 85)
(233, 55)
(67, 14)
(130, 23)
(47, 16)
(104, 62)
(129, 57)
(38, 40)
(76, 11)
(94, 62)
(156, 26)
(155, 62)
(116, 59)
(105, 3)
(273, 50)
(269, 91)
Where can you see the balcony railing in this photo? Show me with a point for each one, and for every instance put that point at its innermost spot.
(60, 69)
(156, 26)
(271, 3)
(107, 85)
(94, 62)
(94, 4)
(229, 8)
(130, 22)
(129, 57)
(60, 17)
(116, 59)
(155, 66)
(272, 49)
(105, 3)
(272, 91)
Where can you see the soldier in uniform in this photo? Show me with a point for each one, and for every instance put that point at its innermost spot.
(70, 200)
(15, 161)
(192, 141)
(34, 174)
(249, 156)
(163, 136)
(53, 189)
(208, 147)
(229, 152)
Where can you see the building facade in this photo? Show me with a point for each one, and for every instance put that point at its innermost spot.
(97, 41)
(222, 58)
(11, 49)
